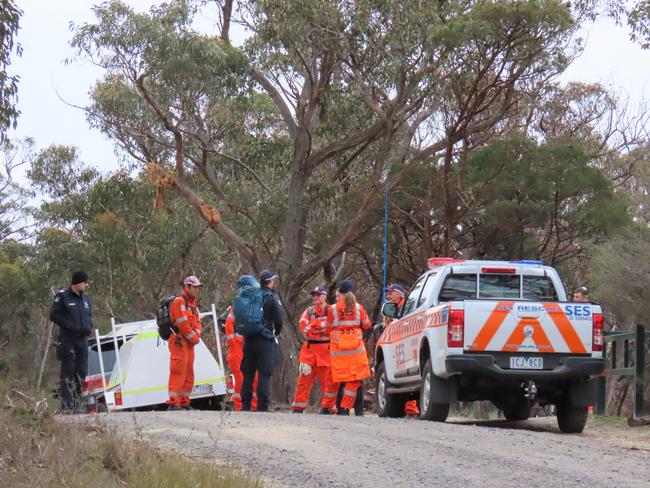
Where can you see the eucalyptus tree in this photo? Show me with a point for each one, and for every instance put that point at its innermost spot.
(295, 134)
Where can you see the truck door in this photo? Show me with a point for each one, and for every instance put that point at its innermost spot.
(411, 326)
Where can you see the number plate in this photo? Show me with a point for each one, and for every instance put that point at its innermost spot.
(202, 389)
(522, 362)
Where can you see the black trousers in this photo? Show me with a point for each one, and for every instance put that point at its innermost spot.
(258, 357)
(73, 354)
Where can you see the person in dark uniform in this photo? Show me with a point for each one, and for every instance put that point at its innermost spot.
(259, 350)
(72, 312)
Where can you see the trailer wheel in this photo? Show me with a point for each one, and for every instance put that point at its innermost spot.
(430, 407)
(388, 404)
(571, 420)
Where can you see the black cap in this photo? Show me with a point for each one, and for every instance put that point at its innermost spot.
(79, 277)
(268, 275)
(346, 286)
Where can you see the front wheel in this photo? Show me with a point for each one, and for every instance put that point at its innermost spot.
(571, 420)
(430, 408)
(388, 404)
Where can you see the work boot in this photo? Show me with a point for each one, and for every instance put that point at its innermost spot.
(174, 407)
(296, 411)
(325, 411)
(187, 407)
(343, 411)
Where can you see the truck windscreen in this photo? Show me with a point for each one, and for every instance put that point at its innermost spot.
(497, 286)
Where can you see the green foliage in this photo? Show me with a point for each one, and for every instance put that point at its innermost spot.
(619, 276)
(58, 173)
(9, 25)
(639, 23)
(540, 201)
(13, 197)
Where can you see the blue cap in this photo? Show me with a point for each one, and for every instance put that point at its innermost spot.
(319, 290)
(396, 287)
(346, 286)
(267, 275)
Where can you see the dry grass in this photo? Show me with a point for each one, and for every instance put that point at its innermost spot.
(36, 450)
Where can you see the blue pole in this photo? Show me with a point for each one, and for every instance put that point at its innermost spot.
(383, 289)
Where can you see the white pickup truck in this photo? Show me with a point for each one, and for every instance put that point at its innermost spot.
(490, 330)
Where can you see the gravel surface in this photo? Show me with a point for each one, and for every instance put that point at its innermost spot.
(313, 450)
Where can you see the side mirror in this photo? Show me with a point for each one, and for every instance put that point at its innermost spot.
(389, 310)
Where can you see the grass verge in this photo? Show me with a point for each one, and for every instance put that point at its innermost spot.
(36, 450)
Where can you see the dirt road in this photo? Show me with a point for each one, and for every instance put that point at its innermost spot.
(311, 450)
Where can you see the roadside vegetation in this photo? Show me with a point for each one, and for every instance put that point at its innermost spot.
(39, 449)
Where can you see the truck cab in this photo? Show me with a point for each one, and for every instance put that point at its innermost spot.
(490, 330)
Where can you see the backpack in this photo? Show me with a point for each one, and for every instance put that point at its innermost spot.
(163, 317)
(247, 307)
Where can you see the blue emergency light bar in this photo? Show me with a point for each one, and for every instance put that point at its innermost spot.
(528, 261)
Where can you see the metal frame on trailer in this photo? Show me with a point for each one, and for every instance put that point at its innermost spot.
(115, 327)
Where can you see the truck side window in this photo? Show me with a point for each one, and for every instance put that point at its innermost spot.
(458, 287)
(412, 300)
(426, 291)
(539, 288)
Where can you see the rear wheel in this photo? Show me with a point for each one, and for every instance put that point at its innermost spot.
(571, 420)
(430, 406)
(388, 404)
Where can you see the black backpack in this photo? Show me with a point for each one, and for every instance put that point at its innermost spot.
(163, 318)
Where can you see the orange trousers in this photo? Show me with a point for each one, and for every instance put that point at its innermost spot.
(234, 359)
(305, 383)
(181, 371)
(411, 408)
(349, 393)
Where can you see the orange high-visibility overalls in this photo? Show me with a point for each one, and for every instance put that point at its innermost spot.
(349, 360)
(235, 346)
(185, 317)
(315, 352)
(411, 407)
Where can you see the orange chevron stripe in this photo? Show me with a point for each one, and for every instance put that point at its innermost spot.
(566, 329)
(539, 337)
(490, 327)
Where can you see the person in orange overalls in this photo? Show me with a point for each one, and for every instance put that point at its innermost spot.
(348, 357)
(184, 315)
(315, 356)
(235, 346)
(395, 294)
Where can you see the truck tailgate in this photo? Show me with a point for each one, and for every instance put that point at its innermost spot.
(530, 327)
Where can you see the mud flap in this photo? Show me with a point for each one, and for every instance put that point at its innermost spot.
(444, 390)
(583, 394)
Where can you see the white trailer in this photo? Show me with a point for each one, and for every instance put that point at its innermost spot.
(141, 369)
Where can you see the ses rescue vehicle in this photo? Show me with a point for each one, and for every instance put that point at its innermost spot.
(490, 330)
